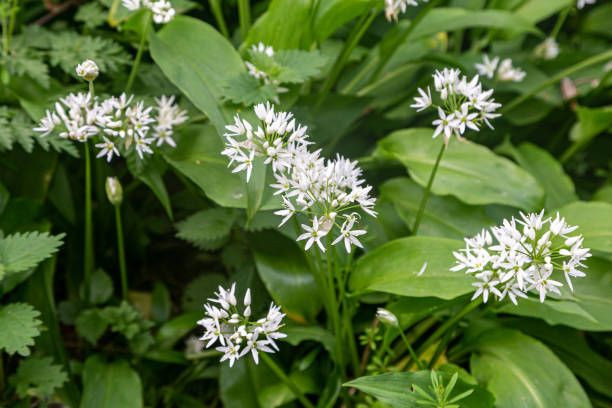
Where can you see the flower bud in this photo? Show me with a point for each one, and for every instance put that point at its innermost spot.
(88, 70)
(387, 318)
(247, 297)
(114, 192)
(247, 311)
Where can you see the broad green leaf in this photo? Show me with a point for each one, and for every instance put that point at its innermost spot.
(236, 388)
(598, 20)
(285, 25)
(38, 377)
(150, 171)
(394, 268)
(333, 14)
(469, 171)
(161, 304)
(546, 170)
(451, 19)
(517, 370)
(19, 252)
(443, 216)
(110, 384)
(101, 287)
(594, 221)
(603, 194)
(198, 156)
(19, 325)
(284, 270)
(174, 330)
(206, 225)
(397, 389)
(537, 10)
(299, 333)
(591, 122)
(199, 61)
(200, 288)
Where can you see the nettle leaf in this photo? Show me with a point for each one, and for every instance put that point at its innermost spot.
(19, 252)
(125, 319)
(206, 227)
(21, 64)
(297, 65)
(37, 376)
(91, 15)
(18, 327)
(69, 49)
(248, 90)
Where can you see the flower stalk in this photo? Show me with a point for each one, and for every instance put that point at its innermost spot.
(286, 380)
(141, 47)
(432, 176)
(121, 252)
(244, 15)
(88, 255)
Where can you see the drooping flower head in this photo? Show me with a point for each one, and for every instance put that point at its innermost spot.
(463, 104)
(523, 255)
(237, 332)
(393, 8)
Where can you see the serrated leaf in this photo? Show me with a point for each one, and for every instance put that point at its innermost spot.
(91, 325)
(58, 144)
(19, 252)
(21, 64)
(248, 90)
(206, 226)
(37, 377)
(22, 131)
(18, 327)
(298, 65)
(91, 15)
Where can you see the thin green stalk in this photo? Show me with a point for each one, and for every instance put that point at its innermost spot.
(88, 262)
(413, 355)
(358, 31)
(560, 20)
(244, 15)
(121, 251)
(285, 379)
(215, 7)
(141, 46)
(432, 176)
(92, 90)
(335, 315)
(566, 72)
(11, 26)
(402, 38)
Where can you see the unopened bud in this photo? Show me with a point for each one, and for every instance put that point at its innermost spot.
(114, 192)
(387, 318)
(88, 70)
(247, 297)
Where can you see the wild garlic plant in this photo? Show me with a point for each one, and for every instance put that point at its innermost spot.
(523, 255)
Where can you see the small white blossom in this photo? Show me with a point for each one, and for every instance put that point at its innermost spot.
(488, 66)
(423, 102)
(313, 234)
(582, 3)
(394, 7)
(162, 9)
(88, 70)
(548, 49)
(262, 48)
(349, 235)
(108, 149)
(507, 72)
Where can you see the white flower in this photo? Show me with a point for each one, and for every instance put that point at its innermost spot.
(507, 72)
(88, 70)
(287, 212)
(548, 49)
(349, 235)
(387, 318)
(523, 259)
(246, 163)
(162, 9)
(488, 66)
(582, 3)
(465, 119)
(230, 352)
(445, 124)
(131, 5)
(394, 7)
(108, 149)
(48, 123)
(423, 102)
(262, 48)
(142, 146)
(313, 234)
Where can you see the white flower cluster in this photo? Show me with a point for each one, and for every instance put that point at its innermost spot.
(113, 120)
(236, 332)
(582, 3)
(394, 7)
(523, 261)
(88, 70)
(548, 49)
(506, 72)
(255, 72)
(464, 104)
(162, 9)
(307, 183)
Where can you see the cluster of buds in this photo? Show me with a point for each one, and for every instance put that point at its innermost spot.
(162, 9)
(464, 104)
(327, 191)
(235, 331)
(521, 261)
(504, 72)
(393, 8)
(117, 124)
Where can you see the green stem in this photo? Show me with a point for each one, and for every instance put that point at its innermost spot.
(215, 7)
(358, 31)
(413, 355)
(244, 15)
(560, 20)
(335, 316)
(566, 72)
(432, 176)
(285, 379)
(11, 26)
(141, 46)
(88, 262)
(92, 90)
(402, 38)
(121, 250)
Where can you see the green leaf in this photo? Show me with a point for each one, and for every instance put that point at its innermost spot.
(18, 327)
(594, 221)
(161, 304)
(285, 25)
(37, 377)
(296, 334)
(468, 171)
(410, 310)
(174, 330)
(255, 189)
(451, 19)
(200, 288)
(537, 10)
(101, 287)
(603, 194)
(248, 90)
(284, 270)
(150, 171)
(91, 325)
(21, 64)
(443, 216)
(546, 170)
(125, 319)
(19, 252)
(591, 122)
(110, 385)
(598, 19)
(91, 15)
(394, 268)
(333, 14)
(199, 61)
(397, 389)
(297, 66)
(517, 370)
(206, 226)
